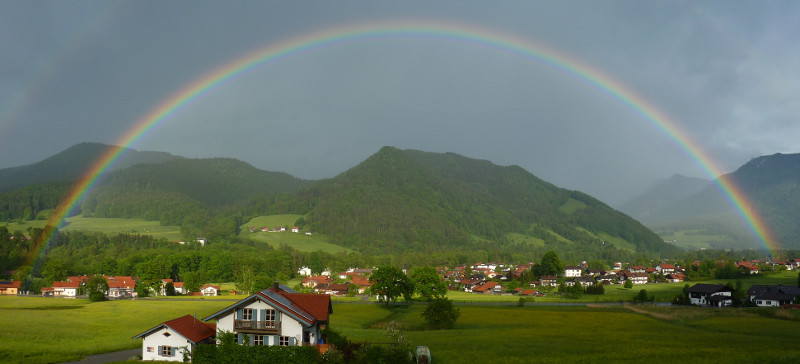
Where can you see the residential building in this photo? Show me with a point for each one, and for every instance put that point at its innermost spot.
(276, 316)
(572, 271)
(10, 287)
(169, 340)
(717, 295)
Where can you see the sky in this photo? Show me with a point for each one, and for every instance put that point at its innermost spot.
(724, 72)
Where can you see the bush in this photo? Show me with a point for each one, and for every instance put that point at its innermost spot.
(440, 314)
(235, 354)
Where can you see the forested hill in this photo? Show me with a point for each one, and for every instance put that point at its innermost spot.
(70, 164)
(172, 190)
(399, 199)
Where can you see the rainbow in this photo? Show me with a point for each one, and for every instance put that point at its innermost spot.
(467, 34)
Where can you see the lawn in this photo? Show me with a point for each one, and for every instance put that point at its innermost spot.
(113, 226)
(297, 241)
(54, 329)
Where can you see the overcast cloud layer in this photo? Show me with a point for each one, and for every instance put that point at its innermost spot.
(727, 72)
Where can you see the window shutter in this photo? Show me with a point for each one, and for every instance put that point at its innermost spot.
(291, 341)
(252, 339)
(159, 350)
(263, 315)
(238, 338)
(275, 339)
(172, 351)
(239, 314)
(278, 315)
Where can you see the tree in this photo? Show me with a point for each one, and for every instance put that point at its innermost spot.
(642, 297)
(169, 289)
(549, 266)
(96, 288)
(428, 283)
(441, 314)
(389, 282)
(54, 270)
(628, 284)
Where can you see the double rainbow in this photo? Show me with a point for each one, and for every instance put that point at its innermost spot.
(490, 39)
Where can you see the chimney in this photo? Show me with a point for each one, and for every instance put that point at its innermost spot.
(277, 286)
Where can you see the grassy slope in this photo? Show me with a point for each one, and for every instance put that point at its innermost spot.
(108, 226)
(301, 242)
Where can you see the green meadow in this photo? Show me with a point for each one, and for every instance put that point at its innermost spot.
(298, 241)
(52, 329)
(109, 226)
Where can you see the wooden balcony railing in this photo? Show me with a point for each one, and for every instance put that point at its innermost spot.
(259, 327)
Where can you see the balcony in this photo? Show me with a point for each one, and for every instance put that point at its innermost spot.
(257, 327)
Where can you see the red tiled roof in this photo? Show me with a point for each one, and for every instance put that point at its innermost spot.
(318, 305)
(12, 284)
(210, 285)
(66, 284)
(189, 327)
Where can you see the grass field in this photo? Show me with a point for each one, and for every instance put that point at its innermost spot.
(108, 226)
(39, 329)
(297, 241)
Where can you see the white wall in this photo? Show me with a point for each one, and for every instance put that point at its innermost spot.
(157, 338)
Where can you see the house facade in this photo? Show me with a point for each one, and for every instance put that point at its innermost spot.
(210, 290)
(572, 271)
(717, 295)
(276, 316)
(169, 340)
(10, 287)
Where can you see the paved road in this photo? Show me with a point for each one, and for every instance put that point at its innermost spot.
(109, 357)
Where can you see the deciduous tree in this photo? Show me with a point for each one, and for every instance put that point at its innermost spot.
(428, 283)
(389, 282)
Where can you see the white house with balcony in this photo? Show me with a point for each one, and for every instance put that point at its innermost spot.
(276, 316)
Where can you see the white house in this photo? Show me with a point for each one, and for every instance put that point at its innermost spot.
(572, 271)
(304, 271)
(718, 295)
(276, 316)
(169, 340)
(209, 290)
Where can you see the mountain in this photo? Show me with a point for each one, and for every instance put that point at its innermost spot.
(397, 199)
(771, 183)
(178, 189)
(661, 194)
(69, 165)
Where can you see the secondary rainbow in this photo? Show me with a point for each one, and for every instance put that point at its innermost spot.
(444, 31)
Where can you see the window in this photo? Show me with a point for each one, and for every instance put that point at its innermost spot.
(247, 314)
(284, 341)
(166, 351)
(269, 315)
(258, 339)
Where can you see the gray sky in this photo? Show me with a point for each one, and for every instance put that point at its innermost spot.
(727, 72)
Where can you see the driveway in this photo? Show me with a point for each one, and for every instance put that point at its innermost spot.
(109, 357)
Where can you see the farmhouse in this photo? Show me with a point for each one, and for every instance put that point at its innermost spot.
(717, 295)
(10, 287)
(210, 290)
(169, 340)
(276, 316)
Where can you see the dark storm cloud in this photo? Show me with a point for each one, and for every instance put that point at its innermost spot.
(725, 71)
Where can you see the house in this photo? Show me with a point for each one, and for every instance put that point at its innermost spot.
(10, 287)
(717, 295)
(362, 283)
(636, 269)
(313, 281)
(210, 290)
(634, 277)
(572, 271)
(772, 295)
(63, 289)
(551, 281)
(748, 266)
(489, 288)
(177, 285)
(120, 286)
(470, 283)
(665, 269)
(276, 316)
(531, 292)
(304, 271)
(676, 277)
(295, 229)
(609, 278)
(169, 340)
(584, 281)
